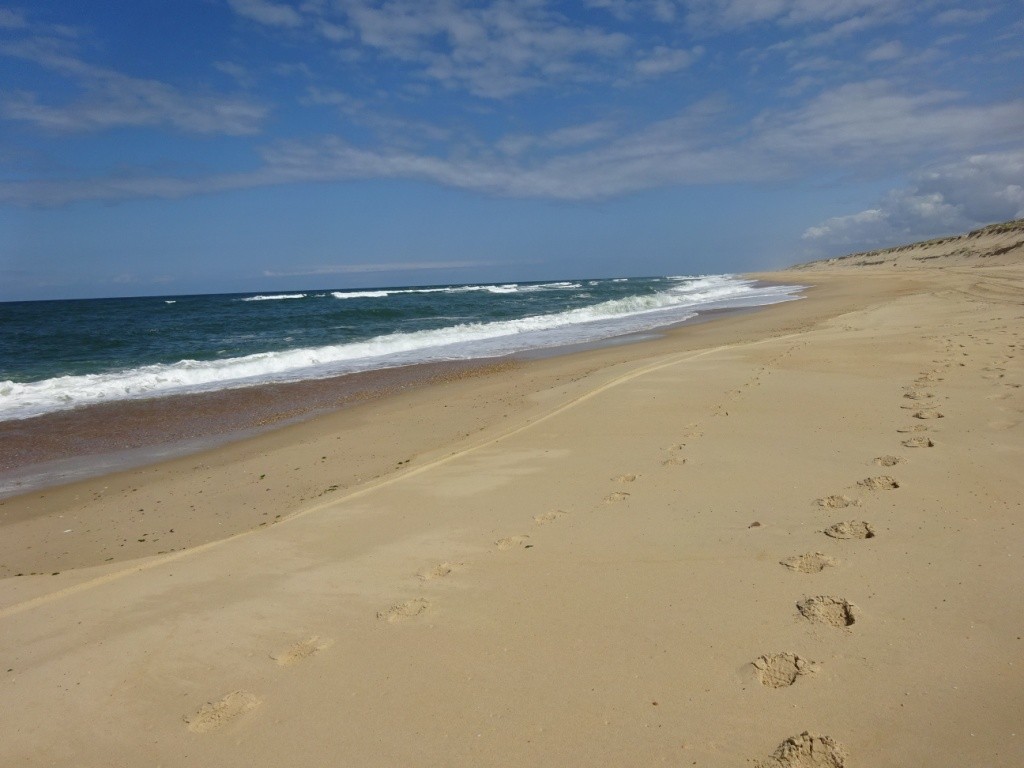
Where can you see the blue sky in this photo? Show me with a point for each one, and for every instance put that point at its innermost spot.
(236, 145)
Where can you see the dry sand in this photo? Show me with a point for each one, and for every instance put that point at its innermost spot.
(617, 557)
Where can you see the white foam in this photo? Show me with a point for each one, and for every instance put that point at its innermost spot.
(507, 288)
(275, 297)
(630, 314)
(360, 294)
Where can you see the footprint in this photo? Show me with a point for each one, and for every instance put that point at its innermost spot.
(780, 670)
(299, 651)
(880, 483)
(913, 428)
(807, 751)
(674, 457)
(888, 461)
(217, 714)
(851, 529)
(625, 478)
(929, 415)
(837, 502)
(812, 562)
(919, 442)
(439, 571)
(510, 542)
(406, 610)
(548, 517)
(824, 609)
(915, 394)
(611, 498)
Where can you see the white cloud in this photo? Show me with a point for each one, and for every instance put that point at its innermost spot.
(569, 136)
(734, 14)
(663, 60)
(265, 12)
(872, 124)
(837, 228)
(627, 10)
(953, 197)
(843, 29)
(137, 103)
(495, 51)
(110, 98)
(10, 19)
(234, 70)
(885, 52)
(336, 33)
(960, 16)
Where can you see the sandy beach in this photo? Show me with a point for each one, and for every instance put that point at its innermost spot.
(789, 537)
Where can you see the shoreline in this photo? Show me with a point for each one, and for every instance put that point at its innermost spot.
(691, 549)
(64, 447)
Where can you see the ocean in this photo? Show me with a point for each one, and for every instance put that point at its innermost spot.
(61, 355)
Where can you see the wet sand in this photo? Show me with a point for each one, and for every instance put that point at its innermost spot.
(65, 446)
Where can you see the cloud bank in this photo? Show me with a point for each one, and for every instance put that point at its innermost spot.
(974, 191)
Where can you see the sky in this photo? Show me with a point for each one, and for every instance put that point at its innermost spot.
(204, 146)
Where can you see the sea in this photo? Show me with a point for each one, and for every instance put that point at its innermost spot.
(70, 354)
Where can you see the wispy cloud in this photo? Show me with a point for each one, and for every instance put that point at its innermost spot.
(560, 139)
(735, 14)
(874, 123)
(109, 98)
(265, 12)
(493, 51)
(959, 16)
(885, 51)
(11, 19)
(663, 60)
(860, 127)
